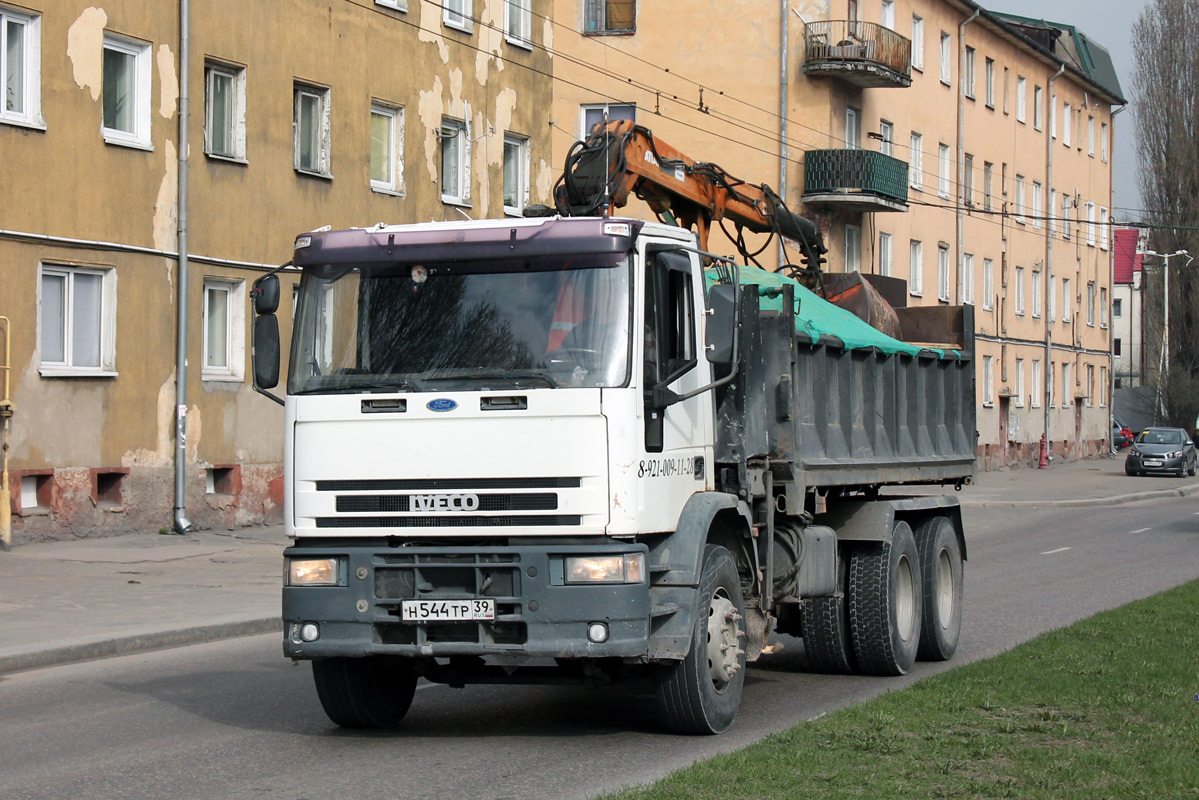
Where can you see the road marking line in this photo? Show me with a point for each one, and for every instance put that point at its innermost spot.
(1141, 530)
(1051, 552)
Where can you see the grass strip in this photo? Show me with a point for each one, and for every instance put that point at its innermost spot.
(1106, 708)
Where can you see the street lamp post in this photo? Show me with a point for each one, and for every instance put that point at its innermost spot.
(1163, 362)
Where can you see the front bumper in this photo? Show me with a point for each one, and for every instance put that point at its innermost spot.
(1150, 463)
(537, 614)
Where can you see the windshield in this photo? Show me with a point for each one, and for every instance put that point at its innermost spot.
(467, 325)
(1159, 437)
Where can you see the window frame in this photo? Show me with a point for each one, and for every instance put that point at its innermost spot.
(1035, 288)
(597, 10)
(885, 253)
(395, 114)
(943, 262)
(918, 43)
(107, 321)
(1038, 108)
(916, 161)
(1019, 401)
(916, 267)
(523, 36)
(853, 248)
(1038, 210)
(886, 130)
(966, 288)
(1018, 304)
(31, 68)
(458, 14)
(234, 369)
(324, 139)
(944, 162)
(988, 370)
(1035, 394)
(1021, 98)
(989, 77)
(946, 58)
(988, 284)
(237, 110)
(462, 196)
(1067, 306)
(521, 143)
(1103, 227)
(968, 78)
(585, 107)
(141, 85)
(394, 5)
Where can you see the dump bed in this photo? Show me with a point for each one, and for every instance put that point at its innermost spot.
(835, 403)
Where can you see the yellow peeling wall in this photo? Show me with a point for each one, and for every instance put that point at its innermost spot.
(93, 454)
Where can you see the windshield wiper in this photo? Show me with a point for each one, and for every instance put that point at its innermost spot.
(482, 375)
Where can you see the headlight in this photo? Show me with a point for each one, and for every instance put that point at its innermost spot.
(1175, 454)
(627, 568)
(313, 571)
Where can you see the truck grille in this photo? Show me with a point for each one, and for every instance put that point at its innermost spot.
(447, 522)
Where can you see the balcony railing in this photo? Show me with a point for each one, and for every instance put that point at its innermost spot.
(863, 179)
(863, 53)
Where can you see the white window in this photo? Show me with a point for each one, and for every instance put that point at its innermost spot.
(1036, 293)
(1037, 210)
(1066, 301)
(966, 290)
(888, 14)
(1091, 304)
(1103, 141)
(853, 128)
(1036, 383)
(943, 272)
(1020, 291)
(1103, 227)
(943, 167)
(1051, 300)
(1103, 308)
(988, 380)
(457, 14)
(126, 92)
(21, 66)
(518, 23)
(1020, 199)
(916, 161)
(884, 254)
(968, 81)
(988, 283)
(592, 115)
(387, 148)
(398, 5)
(312, 129)
(225, 111)
(887, 131)
(1020, 89)
(1067, 385)
(609, 16)
(968, 179)
(76, 313)
(853, 248)
(1067, 205)
(1019, 382)
(516, 174)
(454, 174)
(1091, 136)
(988, 170)
(1066, 114)
(918, 43)
(1117, 303)
(916, 268)
(1053, 116)
(1103, 387)
(1091, 224)
(1090, 387)
(1006, 90)
(989, 77)
(224, 343)
(1038, 101)
(946, 57)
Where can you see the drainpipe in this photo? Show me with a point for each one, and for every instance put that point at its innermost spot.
(182, 524)
(783, 109)
(6, 410)
(1049, 259)
(960, 211)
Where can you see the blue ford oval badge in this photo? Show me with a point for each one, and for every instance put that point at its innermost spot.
(441, 404)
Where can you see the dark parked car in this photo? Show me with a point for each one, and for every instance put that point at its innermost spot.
(1161, 450)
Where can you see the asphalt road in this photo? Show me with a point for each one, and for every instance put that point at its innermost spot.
(235, 719)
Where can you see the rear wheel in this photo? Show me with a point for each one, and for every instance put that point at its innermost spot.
(701, 693)
(941, 584)
(368, 692)
(885, 603)
(826, 638)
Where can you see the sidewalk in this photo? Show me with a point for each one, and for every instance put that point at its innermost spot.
(90, 598)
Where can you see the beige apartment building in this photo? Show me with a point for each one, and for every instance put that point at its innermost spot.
(965, 152)
(300, 114)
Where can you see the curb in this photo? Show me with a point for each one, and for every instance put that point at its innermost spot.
(56, 655)
(1114, 500)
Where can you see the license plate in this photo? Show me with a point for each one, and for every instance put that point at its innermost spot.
(447, 610)
(1153, 463)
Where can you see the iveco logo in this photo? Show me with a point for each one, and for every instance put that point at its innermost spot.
(441, 404)
(445, 502)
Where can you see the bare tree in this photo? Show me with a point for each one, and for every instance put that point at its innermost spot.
(1166, 108)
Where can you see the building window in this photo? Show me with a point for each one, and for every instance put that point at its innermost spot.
(387, 149)
(915, 161)
(518, 23)
(853, 248)
(398, 5)
(916, 268)
(225, 111)
(968, 79)
(516, 174)
(1116, 347)
(1103, 227)
(918, 43)
(966, 290)
(609, 16)
(1036, 383)
(1066, 206)
(1090, 387)
(1020, 291)
(943, 273)
(1019, 382)
(1053, 116)
(946, 57)
(968, 180)
(1102, 387)
(1091, 224)
(1021, 85)
(21, 65)
(888, 14)
(1117, 304)
(1066, 114)
(1091, 136)
(1036, 293)
(1020, 199)
(592, 115)
(988, 169)
(853, 128)
(453, 161)
(1037, 211)
(943, 167)
(126, 92)
(1103, 141)
(77, 309)
(884, 254)
(312, 129)
(1006, 91)
(1066, 303)
(457, 14)
(1067, 386)
(988, 283)
(988, 380)
(1103, 308)
(989, 77)
(224, 342)
(887, 133)
(1051, 299)
(1038, 101)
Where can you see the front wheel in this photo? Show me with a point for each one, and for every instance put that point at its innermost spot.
(368, 692)
(701, 693)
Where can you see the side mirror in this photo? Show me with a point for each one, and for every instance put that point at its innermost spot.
(266, 351)
(266, 294)
(720, 332)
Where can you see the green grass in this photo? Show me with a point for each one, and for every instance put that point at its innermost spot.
(1106, 708)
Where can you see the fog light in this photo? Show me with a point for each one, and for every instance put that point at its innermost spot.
(597, 632)
(313, 571)
(309, 632)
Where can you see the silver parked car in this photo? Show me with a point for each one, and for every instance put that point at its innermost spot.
(1161, 450)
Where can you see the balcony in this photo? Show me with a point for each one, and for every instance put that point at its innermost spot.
(863, 53)
(855, 180)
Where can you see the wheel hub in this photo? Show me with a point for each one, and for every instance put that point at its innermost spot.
(724, 639)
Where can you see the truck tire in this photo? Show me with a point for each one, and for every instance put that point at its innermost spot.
(701, 693)
(941, 583)
(826, 638)
(368, 692)
(885, 603)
